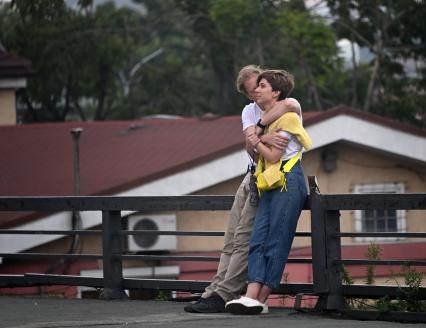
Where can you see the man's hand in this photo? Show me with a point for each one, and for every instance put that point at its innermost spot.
(275, 139)
(253, 140)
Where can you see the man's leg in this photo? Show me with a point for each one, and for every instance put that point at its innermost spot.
(227, 252)
(235, 278)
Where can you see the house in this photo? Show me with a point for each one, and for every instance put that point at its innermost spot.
(354, 152)
(14, 71)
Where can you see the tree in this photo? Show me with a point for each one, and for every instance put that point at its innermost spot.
(76, 56)
(312, 44)
(394, 33)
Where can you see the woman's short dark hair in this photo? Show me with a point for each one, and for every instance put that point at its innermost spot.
(279, 80)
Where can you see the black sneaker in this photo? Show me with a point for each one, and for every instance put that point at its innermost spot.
(212, 304)
(189, 307)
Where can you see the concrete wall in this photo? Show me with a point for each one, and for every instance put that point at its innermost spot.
(7, 107)
(356, 165)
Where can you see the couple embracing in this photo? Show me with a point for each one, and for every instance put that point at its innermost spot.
(268, 203)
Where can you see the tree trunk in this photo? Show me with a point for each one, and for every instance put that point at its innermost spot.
(372, 83)
(259, 52)
(103, 85)
(354, 75)
(313, 90)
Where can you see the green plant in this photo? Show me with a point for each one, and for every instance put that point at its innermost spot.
(385, 304)
(411, 293)
(346, 278)
(373, 253)
(161, 296)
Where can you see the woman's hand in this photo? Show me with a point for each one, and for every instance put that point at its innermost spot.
(275, 139)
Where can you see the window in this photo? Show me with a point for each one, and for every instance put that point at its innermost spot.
(383, 220)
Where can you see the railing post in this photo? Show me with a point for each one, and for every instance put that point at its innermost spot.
(111, 247)
(319, 246)
(335, 299)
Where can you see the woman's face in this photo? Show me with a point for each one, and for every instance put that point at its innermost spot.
(264, 93)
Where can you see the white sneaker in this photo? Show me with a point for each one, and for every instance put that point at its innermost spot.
(265, 308)
(244, 305)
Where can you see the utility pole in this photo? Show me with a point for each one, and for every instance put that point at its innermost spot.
(76, 218)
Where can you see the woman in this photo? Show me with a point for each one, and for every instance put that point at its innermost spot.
(279, 208)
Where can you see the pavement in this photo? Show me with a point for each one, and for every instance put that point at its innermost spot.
(37, 312)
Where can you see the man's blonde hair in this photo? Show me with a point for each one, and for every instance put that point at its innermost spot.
(245, 73)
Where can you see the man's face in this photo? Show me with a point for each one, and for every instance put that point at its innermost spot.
(250, 86)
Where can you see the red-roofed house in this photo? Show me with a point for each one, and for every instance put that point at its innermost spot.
(354, 152)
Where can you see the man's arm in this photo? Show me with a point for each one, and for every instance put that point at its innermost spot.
(249, 147)
(280, 108)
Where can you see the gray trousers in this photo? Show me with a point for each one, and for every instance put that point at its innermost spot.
(231, 276)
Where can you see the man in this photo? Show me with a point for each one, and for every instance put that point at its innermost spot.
(231, 275)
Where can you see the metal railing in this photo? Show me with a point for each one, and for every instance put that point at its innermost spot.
(325, 235)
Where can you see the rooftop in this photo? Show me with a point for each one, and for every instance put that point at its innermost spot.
(49, 312)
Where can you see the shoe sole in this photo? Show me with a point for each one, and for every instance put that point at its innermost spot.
(236, 308)
(189, 309)
(193, 309)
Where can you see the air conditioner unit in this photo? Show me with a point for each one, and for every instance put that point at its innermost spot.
(151, 242)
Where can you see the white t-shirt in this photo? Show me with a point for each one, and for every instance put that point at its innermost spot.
(252, 113)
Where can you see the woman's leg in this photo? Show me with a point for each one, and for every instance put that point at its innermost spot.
(256, 258)
(264, 293)
(285, 211)
(253, 290)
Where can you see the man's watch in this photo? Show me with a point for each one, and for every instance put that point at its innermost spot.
(260, 125)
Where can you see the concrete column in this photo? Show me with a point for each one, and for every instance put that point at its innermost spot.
(7, 107)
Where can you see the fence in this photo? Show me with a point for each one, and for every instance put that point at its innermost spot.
(325, 235)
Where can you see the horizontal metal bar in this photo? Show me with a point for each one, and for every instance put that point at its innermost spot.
(199, 285)
(36, 279)
(200, 202)
(49, 256)
(157, 284)
(123, 232)
(381, 262)
(120, 203)
(170, 258)
(190, 233)
(193, 258)
(303, 234)
(382, 234)
(176, 233)
(377, 291)
(50, 232)
(374, 201)
(68, 280)
(295, 288)
(115, 203)
(389, 316)
(12, 280)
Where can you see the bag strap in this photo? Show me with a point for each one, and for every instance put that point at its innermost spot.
(291, 162)
(287, 168)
